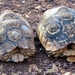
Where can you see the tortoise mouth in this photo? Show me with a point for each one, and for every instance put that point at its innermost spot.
(17, 55)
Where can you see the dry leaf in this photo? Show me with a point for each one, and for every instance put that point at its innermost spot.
(49, 71)
(54, 68)
(32, 67)
(18, 73)
(38, 7)
(16, 4)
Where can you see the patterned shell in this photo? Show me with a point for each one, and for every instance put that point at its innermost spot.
(57, 28)
(15, 31)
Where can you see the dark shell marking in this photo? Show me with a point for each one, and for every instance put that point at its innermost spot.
(57, 28)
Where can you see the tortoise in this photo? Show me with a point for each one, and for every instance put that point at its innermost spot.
(56, 32)
(16, 37)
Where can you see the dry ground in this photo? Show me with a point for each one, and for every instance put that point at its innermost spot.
(40, 64)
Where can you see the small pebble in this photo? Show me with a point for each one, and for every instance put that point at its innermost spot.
(43, 9)
(67, 73)
(38, 7)
(23, 2)
(36, 11)
(3, 74)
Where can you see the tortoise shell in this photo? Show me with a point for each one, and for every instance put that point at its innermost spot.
(16, 37)
(57, 28)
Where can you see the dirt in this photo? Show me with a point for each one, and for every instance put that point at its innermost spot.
(39, 64)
